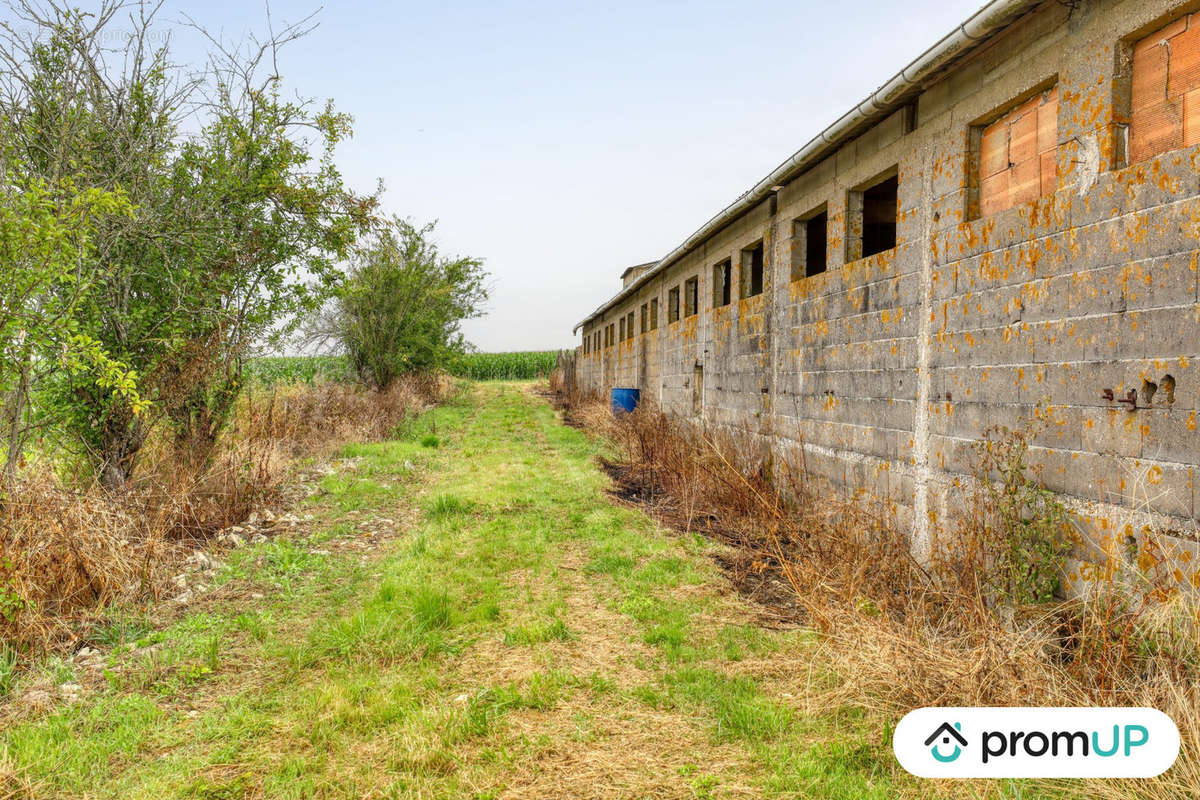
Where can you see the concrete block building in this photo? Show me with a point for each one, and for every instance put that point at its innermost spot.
(1009, 228)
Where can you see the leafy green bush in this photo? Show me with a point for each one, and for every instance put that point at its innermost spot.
(399, 309)
(220, 220)
(1025, 526)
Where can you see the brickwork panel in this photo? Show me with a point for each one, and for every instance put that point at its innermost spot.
(1166, 73)
(1018, 154)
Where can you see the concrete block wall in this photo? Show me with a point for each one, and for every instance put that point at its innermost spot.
(882, 372)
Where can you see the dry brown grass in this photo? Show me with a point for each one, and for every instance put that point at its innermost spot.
(15, 783)
(897, 634)
(68, 551)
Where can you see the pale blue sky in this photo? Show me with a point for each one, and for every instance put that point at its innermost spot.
(563, 142)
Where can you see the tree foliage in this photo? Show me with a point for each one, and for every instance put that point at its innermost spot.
(401, 304)
(46, 240)
(234, 227)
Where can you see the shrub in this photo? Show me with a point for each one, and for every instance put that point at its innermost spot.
(1018, 528)
(237, 220)
(399, 309)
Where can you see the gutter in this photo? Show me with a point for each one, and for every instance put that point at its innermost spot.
(968, 36)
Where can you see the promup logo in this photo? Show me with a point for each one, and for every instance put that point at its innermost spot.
(1036, 742)
(946, 732)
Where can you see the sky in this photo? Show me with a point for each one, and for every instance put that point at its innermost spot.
(562, 142)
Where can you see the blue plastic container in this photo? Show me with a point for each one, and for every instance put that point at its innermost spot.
(624, 400)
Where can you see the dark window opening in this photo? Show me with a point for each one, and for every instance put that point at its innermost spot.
(654, 314)
(816, 244)
(691, 293)
(629, 325)
(722, 278)
(645, 317)
(752, 271)
(622, 329)
(673, 305)
(879, 211)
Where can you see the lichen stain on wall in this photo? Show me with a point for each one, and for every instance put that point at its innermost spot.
(1053, 301)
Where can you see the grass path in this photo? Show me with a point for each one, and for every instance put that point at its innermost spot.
(467, 615)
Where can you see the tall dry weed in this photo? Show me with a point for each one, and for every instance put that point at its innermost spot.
(67, 550)
(976, 626)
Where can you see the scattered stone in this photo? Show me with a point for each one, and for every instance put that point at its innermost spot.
(258, 538)
(183, 598)
(180, 580)
(234, 540)
(201, 560)
(38, 699)
(462, 698)
(87, 652)
(319, 552)
(257, 595)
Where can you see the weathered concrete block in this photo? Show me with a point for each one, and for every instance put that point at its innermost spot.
(1058, 306)
(1169, 434)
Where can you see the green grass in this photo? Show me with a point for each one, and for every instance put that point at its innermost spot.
(552, 630)
(8, 666)
(522, 621)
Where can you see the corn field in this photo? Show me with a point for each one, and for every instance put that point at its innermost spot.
(526, 365)
(505, 366)
(269, 371)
